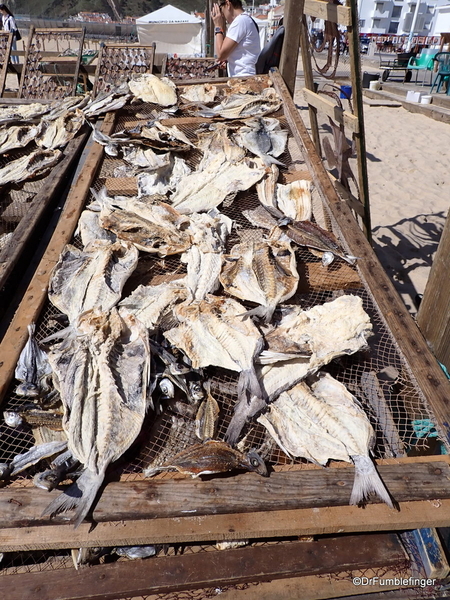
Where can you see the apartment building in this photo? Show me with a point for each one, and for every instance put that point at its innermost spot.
(395, 17)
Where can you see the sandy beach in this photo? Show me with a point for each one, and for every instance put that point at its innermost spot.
(407, 158)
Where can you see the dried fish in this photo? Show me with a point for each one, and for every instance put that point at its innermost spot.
(202, 92)
(20, 462)
(214, 332)
(238, 106)
(170, 138)
(325, 422)
(58, 132)
(91, 278)
(134, 552)
(149, 88)
(264, 138)
(17, 136)
(204, 190)
(294, 200)
(212, 457)
(26, 167)
(34, 418)
(23, 112)
(107, 101)
(33, 368)
(207, 416)
(102, 370)
(89, 229)
(264, 273)
(164, 179)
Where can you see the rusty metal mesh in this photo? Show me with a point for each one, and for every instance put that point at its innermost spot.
(192, 68)
(118, 61)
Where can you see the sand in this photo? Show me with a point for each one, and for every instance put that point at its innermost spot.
(408, 158)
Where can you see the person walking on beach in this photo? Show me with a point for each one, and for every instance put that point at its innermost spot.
(9, 24)
(240, 44)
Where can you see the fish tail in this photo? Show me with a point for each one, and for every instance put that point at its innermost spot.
(79, 497)
(367, 480)
(262, 312)
(271, 160)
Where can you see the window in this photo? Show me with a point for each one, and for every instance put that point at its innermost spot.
(396, 12)
(379, 7)
(393, 27)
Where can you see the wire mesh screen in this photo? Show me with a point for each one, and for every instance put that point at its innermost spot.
(5, 49)
(192, 68)
(379, 378)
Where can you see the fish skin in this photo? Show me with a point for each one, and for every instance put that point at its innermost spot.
(264, 138)
(89, 229)
(33, 368)
(294, 200)
(211, 457)
(58, 132)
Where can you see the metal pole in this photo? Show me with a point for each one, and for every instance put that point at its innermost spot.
(413, 26)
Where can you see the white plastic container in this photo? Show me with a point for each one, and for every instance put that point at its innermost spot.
(374, 85)
(426, 99)
(412, 96)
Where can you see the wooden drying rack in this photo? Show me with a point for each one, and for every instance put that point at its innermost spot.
(245, 506)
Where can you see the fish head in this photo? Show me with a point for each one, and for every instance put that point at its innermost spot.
(5, 471)
(48, 480)
(12, 419)
(167, 388)
(29, 390)
(255, 463)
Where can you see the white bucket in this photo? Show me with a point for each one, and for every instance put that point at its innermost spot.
(374, 85)
(426, 99)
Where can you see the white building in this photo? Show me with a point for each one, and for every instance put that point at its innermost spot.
(395, 17)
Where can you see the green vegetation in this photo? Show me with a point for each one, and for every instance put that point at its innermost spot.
(66, 8)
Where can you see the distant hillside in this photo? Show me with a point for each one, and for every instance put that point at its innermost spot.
(65, 8)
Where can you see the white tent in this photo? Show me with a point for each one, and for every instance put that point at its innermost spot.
(173, 31)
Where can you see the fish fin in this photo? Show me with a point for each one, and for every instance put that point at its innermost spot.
(367, 480)
(78, 497)
(243, 411)
(270, 160)
(350, 259)
(262, 312)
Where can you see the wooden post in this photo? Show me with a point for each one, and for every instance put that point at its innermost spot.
(293, 11)
(433, 317)
(353, 42)
(209, 32)
(309, 83)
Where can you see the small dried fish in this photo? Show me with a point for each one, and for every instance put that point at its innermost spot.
(34, 418)
(207, 416)
(212, 457)
(20, 462)
(238, 106)
(33, 368)
(134, 552)
(264, 138)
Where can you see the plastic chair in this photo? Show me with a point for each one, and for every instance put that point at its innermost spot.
(423, 62)
(443, 72)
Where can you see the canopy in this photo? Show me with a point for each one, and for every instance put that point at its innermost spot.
(173, 31)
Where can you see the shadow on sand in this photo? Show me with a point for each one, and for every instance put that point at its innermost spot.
(406, 246)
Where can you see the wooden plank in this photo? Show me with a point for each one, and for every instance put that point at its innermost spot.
(431, 553)
(328, 12)
(36, 293)
(207, 569)
(351, 200)
(247, 492)
(429, 376)
(335, 112)
(234, 526)
(309, 81)
(433, 316)
(6, 58)
(59, 174)
(293, 12)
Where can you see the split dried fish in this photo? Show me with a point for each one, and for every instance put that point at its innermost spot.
(23, 112)
(238, 106)
(91, 278)
(321, 333)
(203, 92)
(145, 158)
(169, 138)
(149, 303)
(214, 332)
(27, 167)
(89, 229)
(212, 457)
(17, 136)
(264, 138)
(33, 368)
(203, 190)
(218, 146)
(102, 370)
(149, 88)
(325, 422)
(264, 273)
(58, 132)
(294, 200)
(107, 101)
(163, 179)
(24, 461)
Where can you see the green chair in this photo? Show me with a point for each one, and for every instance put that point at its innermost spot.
(423, 62)
(443, 72)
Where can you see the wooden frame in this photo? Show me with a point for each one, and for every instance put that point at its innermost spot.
(6, 39)
(127, 59)
(161, 510)
(55, 65)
